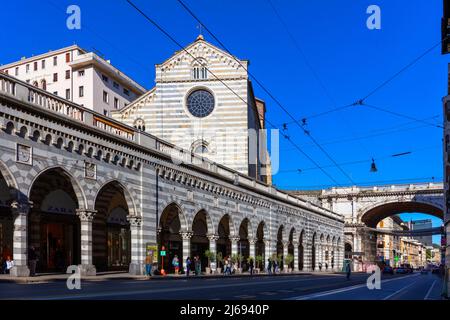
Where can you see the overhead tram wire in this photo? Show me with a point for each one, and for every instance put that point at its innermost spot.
(413, 62)
(375, 133)
(227, 86)
(401, 115)
(395, 155)
(307, 133)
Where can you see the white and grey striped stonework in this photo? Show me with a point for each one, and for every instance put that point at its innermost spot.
(147, 190)
(165, 113)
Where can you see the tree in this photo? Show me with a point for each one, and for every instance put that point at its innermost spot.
(258, 261)
(210, 255)
(219, 258)
(288, 260)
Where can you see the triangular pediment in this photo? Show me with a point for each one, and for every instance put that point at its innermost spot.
(201, 49)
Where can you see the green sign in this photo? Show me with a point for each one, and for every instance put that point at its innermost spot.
(396, 258)
(162, 253)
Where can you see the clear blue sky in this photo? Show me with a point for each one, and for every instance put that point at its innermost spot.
(350, 60)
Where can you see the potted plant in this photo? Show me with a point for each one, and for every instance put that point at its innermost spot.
(288, 261)
(258, 263)
(237, 259)
(210, 255)
(219, 260)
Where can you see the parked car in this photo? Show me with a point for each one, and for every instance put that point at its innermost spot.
(408, 267)
(388, 270)
(401, 270)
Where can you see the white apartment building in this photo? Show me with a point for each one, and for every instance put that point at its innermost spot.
(77, 75)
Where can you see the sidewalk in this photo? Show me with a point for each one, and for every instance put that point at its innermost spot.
(107, 276)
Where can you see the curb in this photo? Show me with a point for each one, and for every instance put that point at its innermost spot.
(41, 279)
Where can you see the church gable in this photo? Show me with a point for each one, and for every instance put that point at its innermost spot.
(133, 111)
(180, 67)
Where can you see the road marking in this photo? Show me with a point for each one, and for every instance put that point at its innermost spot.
(398, 291)
(152, 290)
(245, 297)
(327, 293)
(268, 293)
(429, 291)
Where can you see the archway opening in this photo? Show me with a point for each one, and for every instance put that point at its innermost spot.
(403, 233)
(280, 246)
(301, 252)
(111, 247)
(224, 242)
(54, 227)
(313, 252)
(291, 248)
(199, 240)
(169, 236)
(244, 244)
(260, 246)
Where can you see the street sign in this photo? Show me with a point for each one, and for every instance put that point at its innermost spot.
(162, 253)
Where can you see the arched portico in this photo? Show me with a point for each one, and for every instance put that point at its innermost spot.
(111, 246)
(172, 237)
(55, 229)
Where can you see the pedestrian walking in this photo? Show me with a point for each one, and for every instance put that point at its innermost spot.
(32, 260)
(320, 266)
(188, 266)
(148, 264)
(198, 266)
(275, 266)
(269, 266)
(176, 264)
(250, 266)
(348, 270)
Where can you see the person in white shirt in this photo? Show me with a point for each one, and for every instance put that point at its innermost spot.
(9, 264)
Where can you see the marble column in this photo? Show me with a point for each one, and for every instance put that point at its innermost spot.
(267, 252)
(252, 243)
(213, 249)
(186, 238)
(234, 245)
(20, 211)
(86, 218)
(136, 265)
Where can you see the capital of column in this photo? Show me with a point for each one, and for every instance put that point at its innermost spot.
(21, 207)
(285, 244)
(267, 242)
(186, 235)
(252, 241)
(235, 239)
(295, 244)
(86, 215)
(212, 237)
(135, 221)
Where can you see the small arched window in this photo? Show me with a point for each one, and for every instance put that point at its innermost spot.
(199, 69)
(200, 147)
(139, 124)
(44, 84)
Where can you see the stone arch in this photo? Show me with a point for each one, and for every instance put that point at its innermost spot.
(127, 194)
(182, 210)
(8, 176)
(111, 245)
(54, 229)
(232, 226)
(371, 215)
(201, 226)
(79, 193)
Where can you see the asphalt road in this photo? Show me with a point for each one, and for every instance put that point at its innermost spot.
(295, 287)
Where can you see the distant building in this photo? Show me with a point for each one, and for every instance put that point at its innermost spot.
(422, 225)
(79, 76)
